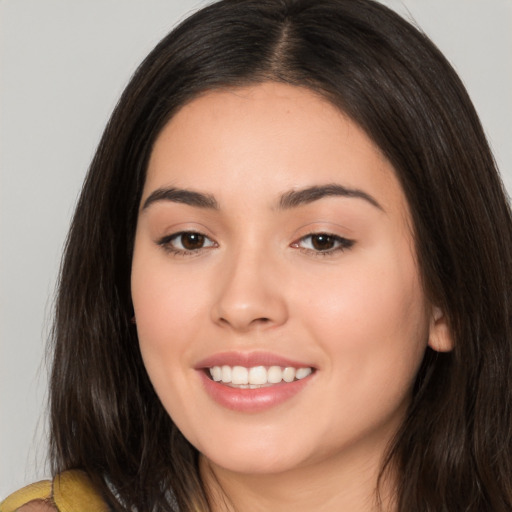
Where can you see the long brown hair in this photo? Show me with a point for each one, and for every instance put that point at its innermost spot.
(453, 452)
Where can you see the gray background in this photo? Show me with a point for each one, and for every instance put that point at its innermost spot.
(63, 65)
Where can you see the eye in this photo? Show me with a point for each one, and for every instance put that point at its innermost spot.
(186, 242)
(323, 243)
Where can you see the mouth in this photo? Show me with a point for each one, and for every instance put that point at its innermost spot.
(256, 377)
(253, 382)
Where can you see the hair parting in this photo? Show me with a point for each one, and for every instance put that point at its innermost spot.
(452, 453)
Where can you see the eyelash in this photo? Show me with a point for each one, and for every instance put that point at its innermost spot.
(167, 243)
(340, 244)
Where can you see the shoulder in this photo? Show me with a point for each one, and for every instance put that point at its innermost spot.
(37, 506)
(71, 491)
(32, 495)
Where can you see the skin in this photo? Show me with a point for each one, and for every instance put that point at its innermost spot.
(358, 316)
(37, 506)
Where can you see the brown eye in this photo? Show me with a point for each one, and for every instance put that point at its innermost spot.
(186, 242)
(192, 241)
(323, 242)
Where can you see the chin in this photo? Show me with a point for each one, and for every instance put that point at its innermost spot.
(244, 463)
(263, 457)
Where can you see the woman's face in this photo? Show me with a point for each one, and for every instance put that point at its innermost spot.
(274, 244)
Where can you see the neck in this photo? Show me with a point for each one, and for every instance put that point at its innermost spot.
(329, 486)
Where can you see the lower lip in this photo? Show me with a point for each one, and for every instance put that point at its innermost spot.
(252, 400)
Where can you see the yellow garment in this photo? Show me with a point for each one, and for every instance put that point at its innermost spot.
(71, 491)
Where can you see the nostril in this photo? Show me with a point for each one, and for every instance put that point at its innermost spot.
(262, 320)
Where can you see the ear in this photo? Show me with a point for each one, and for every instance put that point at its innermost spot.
(440, 337)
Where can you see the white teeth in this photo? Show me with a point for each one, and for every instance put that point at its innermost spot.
(257, 375)
(216, 373)
(274, 375)
(226, 373)
(239, 375)
(302, 372)
(289, 374)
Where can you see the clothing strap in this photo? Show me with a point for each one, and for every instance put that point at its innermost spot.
(70, 491)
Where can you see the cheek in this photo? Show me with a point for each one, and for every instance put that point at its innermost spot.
(169, 309)
(371, 318)
(163, 306)
(165, 297)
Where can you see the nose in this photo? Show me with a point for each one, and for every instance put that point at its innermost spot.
(249, 295)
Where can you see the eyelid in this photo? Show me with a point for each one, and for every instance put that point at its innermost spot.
(341, 243)
(166, 242)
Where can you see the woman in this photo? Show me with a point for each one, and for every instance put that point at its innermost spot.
(287, 279)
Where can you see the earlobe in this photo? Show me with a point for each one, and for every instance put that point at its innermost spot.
(440, 337)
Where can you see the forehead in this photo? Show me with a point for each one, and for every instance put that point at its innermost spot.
(282, 136)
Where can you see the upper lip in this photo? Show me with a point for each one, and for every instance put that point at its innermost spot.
(249, 360)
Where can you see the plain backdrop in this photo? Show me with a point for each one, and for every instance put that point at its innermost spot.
(63, 64)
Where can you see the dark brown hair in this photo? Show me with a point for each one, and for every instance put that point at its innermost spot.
(453, 452)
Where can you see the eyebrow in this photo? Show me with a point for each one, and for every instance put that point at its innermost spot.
(295, 198)
(289, 200)
(180, 195)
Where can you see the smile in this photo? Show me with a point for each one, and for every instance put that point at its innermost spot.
(254, 382)
(257, 376)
